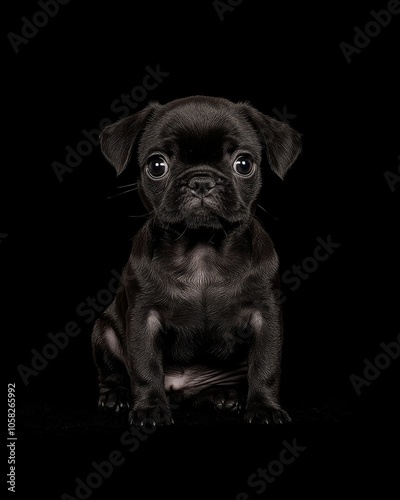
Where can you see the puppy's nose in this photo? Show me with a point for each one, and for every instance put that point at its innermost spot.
(201, 185)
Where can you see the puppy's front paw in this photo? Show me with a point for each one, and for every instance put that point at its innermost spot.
(155, 416)
(116, 399)
(258, 413)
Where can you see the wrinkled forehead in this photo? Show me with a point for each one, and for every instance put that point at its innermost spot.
(198, 134)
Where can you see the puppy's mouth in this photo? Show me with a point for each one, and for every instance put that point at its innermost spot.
(202, 202)
(204, 211)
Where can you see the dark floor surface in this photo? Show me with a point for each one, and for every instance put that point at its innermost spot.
(340, 449)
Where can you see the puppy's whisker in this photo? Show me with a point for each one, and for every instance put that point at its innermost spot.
(143, 215)
(180, 236)
(266, 211)
(262, 208)
(119, 194)
(127, 185)
(210, 240)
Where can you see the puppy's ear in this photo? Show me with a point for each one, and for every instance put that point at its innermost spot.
(283, 144)
(117, 140)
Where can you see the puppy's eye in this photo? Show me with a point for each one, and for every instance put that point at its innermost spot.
(157, 167)
(243, 166)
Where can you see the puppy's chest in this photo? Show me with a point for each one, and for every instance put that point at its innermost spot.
(200, 307)
(197, 271)
(198, 274)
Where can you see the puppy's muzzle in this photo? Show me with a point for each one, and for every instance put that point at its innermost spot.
(201, 185)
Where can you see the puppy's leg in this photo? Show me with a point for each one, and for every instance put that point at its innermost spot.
(145, 361)
(114, 383)
(264, 368)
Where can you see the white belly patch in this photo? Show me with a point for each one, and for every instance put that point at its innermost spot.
(198, 377)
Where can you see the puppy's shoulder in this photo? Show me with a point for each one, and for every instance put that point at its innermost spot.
(140, 257)
(143, 241)
(263, 249)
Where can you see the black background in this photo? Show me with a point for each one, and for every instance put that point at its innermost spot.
(64, 238)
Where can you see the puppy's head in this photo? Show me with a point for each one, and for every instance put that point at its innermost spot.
(200, 158)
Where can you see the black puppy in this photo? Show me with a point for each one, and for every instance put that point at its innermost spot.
(197, 310)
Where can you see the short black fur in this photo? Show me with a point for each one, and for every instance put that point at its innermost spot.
(197, 311)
